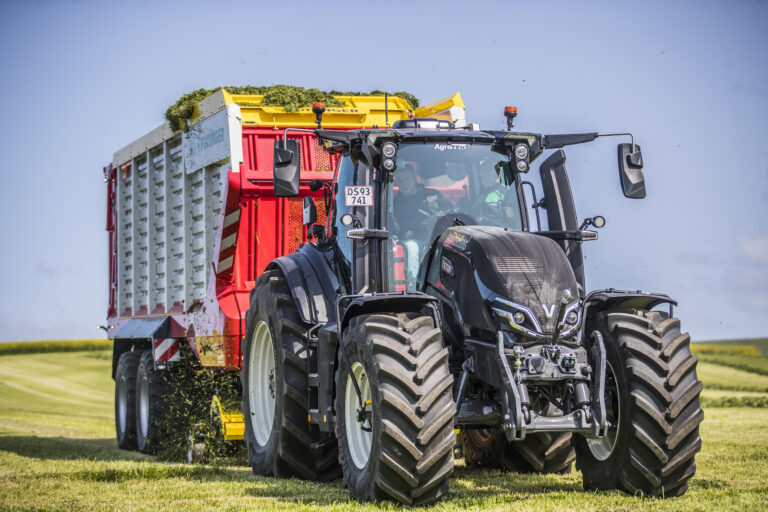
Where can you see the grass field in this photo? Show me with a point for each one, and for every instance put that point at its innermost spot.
(57, 452)
(761, 344)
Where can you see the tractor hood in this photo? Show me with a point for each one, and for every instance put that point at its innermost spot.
(525, 268)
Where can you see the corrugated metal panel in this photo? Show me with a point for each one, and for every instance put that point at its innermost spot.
(168, 220)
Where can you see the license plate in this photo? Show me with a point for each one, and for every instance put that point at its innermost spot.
(358, 195)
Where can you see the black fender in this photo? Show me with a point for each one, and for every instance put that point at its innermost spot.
(312, 280)
(625, 299)
(121, 345)
(602, 300)
(138, 333)
(396, 302)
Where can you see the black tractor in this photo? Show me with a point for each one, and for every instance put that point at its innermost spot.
(432, 315)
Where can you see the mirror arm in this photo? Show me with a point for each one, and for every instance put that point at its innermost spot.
(558, 141)
(285, 132)
(617, 134)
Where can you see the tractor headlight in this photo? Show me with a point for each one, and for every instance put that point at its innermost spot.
(571, 317)
(521, 151)
(522, 166)
(388, 164)
(388, 149)
(519, 318)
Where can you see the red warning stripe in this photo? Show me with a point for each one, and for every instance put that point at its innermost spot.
(165, 349)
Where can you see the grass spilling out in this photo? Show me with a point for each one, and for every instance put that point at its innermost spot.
(189, 412)
(290, 97)
(57, 452)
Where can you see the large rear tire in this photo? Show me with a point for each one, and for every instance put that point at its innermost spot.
(274, 381)
(125, 400)
(538, 453)
(652, 396)
(403, 449)
(152, 390)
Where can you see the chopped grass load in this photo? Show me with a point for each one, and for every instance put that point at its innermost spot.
(291, 97)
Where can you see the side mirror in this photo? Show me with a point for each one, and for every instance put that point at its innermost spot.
(287, 162)
(309, 211)
(631, 171)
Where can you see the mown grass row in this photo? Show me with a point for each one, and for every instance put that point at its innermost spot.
(734, 401)
(753, 364)
(716, 349)
(734, 373)
(733, 346)
(735, 354)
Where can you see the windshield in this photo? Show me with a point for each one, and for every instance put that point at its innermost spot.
(437, 185)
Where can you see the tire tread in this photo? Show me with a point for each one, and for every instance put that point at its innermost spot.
(656, 456)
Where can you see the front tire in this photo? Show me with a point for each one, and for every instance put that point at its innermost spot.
(652, 398)
(403, 449)
(274, 381)
(125, 400)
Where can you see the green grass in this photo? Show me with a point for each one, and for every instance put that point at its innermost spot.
(736, 354)
(57, 452)
(718, 349)
(34, 347)
(753, 364)
(716, 376)
(761, 344)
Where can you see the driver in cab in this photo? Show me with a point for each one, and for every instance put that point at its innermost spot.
(492, 203)
(414, 205)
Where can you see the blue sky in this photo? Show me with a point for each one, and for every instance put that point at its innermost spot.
(690, 79)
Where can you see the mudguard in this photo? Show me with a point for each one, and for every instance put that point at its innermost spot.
(388, 303)
(140, 333)
(313, 282)
(601, 300)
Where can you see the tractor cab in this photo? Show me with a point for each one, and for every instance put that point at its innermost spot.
(406, 201)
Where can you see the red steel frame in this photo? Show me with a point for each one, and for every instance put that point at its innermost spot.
(269, 226)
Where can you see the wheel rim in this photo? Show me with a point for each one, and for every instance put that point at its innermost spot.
(122, 403)
(144, 405)
(603, 448)
(359, 440)
(261, 384)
